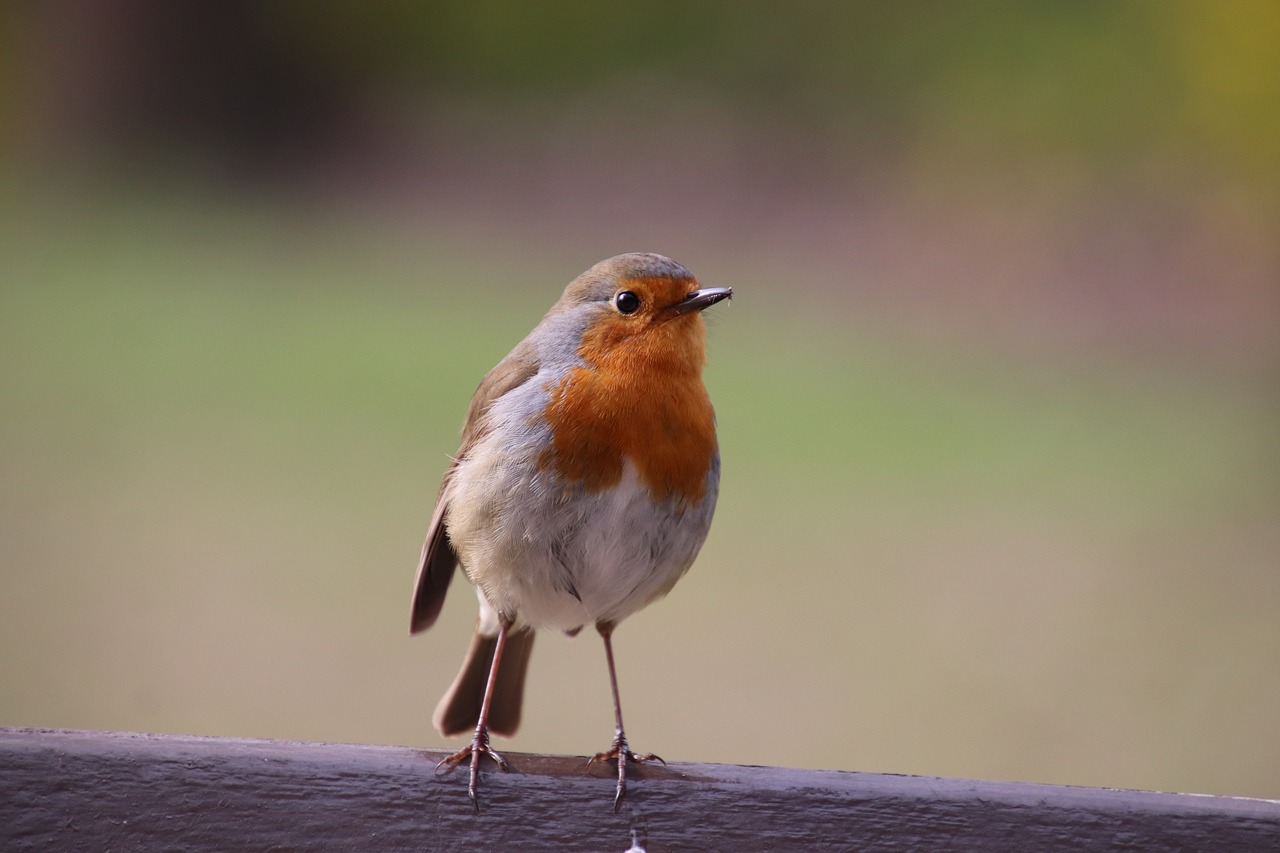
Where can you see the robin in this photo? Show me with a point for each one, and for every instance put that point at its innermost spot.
(583, 489)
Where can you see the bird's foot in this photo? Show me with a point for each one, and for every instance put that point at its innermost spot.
(479, 746)
(621, 753)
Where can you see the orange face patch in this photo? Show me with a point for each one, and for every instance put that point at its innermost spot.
(639, 397)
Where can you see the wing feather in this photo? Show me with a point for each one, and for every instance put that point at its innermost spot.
(438, 561)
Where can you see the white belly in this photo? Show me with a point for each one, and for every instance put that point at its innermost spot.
(578, 558)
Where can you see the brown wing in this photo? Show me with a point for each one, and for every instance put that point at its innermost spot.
(435, 568)
(438, 561)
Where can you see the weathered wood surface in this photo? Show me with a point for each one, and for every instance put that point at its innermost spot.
(75, 790)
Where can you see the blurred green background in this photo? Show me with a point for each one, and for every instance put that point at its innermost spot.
(999, 394)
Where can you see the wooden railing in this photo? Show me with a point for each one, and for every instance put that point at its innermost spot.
(100, 791)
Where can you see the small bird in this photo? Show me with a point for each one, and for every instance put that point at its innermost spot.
(583, 490)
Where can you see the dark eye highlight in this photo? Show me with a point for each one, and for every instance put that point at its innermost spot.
(627, 302)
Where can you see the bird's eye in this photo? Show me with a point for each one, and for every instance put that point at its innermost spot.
(627, 302)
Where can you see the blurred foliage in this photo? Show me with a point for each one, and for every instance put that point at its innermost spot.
(1106, 92)
(1191, 80)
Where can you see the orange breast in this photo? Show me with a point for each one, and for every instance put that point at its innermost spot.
(639, 397)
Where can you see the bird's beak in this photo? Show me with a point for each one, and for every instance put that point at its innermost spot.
(700, 299)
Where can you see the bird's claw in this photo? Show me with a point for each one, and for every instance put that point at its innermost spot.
(621, 753)
(479, 746)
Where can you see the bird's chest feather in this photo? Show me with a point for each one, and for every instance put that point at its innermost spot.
(648, 406)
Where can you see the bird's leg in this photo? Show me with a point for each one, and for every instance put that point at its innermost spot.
(621, 750)
(480, 741)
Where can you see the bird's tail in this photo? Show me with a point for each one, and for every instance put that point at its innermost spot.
(459, 710)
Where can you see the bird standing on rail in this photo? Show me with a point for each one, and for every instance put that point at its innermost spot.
(583, 489)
